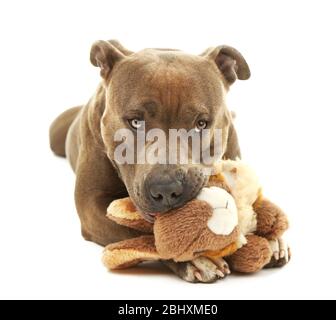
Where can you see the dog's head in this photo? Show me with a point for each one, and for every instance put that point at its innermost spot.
(163, 89)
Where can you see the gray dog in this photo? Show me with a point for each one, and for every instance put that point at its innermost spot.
(166, 89)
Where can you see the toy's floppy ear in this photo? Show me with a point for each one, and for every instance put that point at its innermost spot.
(124, 212)
(218, 180)
(230, 62)
(223, 178)
(128, 253)
(104, 54)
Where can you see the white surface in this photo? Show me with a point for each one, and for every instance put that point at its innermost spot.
(286, 123)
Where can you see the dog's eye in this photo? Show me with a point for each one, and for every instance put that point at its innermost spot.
(201, 125)
(136, 124)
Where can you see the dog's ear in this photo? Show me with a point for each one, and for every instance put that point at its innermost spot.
(230, 62)
(104, 55)
(120, 47)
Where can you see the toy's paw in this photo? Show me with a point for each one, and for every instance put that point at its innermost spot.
(202, 269)
(272, 221)
(281, 254)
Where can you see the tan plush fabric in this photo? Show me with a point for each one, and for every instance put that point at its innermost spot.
(218, 180)
(229, 250)
(253, 257)
(125, 254)
(124, 212)
(272, 222)
(183, 235)
(123, 208)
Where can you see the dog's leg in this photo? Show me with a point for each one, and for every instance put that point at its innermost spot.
(95, 226)
(96, 188)
(281, 254)
(202, 269)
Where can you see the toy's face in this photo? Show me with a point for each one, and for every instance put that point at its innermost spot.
(204, 225)
(224, 217)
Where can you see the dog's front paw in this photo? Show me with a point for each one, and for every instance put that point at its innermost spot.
(202, 269)
(281, 254)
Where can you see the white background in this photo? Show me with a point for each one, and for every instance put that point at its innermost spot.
(286, 124)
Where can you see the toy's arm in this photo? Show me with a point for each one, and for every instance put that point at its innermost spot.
(123, 212)
(128, 253)
(271, 221)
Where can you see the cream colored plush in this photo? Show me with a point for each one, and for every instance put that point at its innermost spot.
(243, 184)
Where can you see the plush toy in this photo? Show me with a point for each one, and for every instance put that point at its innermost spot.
(206, 226)
(229, 218)
(261, 221)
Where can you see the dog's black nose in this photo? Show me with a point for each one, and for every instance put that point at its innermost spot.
(168, 193)
(165, 189)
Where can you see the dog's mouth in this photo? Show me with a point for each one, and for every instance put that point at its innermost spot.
(149, 217)
(149, 213)
(162, 190)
